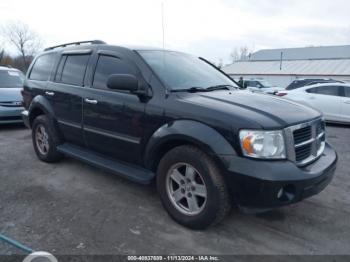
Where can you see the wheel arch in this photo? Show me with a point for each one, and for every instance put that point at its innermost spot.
(39, 106)
(186, 132)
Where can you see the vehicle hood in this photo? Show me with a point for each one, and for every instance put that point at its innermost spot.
(10, 94)
(266, 111)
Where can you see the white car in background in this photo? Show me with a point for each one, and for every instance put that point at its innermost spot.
(259, 85)
(332, 99)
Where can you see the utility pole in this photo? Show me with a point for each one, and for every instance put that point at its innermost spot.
(281, 60)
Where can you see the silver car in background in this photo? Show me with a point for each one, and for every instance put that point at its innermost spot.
(11, 83)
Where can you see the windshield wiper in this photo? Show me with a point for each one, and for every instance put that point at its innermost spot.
(195, 89)
(218, 87)
(191, 90)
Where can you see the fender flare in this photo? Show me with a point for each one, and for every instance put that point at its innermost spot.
(205, 137)
(41, 103)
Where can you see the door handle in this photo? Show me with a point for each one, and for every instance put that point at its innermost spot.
(347, 102)
(312, 97)
(50, 93)
(91, 101)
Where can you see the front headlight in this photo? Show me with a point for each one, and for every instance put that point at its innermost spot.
(263, 144)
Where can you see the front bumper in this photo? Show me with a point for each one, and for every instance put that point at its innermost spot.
(262, 185)
(10, 115)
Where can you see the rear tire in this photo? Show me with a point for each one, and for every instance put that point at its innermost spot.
(192, 188)
(45, 140)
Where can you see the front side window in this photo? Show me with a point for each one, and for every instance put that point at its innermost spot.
(312, 90)
(71, 69)
(42, 68)
(328, 90)
(11, 78)
(181, 71)
(109, 65)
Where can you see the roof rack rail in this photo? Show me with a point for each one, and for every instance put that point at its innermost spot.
(92, 42)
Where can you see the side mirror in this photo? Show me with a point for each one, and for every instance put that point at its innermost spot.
(123, 82)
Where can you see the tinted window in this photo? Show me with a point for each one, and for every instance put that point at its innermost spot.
(182, 71)
(253, 83)
(325, 90)
(312, 90)
(108, 65)
(347, 91)
(11, 78)
(42, 68)
(73, 69)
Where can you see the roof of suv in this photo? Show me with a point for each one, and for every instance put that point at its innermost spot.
(92, 43)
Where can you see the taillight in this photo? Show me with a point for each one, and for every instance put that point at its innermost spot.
(281, 94)
(27, 98)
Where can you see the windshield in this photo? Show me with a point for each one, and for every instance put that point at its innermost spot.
(181, 71)
(265, 84)
(11, 78)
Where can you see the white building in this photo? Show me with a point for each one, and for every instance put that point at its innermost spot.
(282, 66)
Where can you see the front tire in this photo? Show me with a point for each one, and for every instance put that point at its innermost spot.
(45, 140)
(192, 188)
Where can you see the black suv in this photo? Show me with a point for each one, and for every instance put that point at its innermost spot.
(151, 114)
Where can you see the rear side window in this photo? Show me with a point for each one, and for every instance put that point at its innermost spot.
(108, 65)
(42, 68)
(71, 69)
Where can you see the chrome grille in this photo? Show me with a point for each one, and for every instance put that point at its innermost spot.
(306, 141)
(302, 134)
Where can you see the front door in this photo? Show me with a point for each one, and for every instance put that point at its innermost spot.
(326, 99)
(112, 118)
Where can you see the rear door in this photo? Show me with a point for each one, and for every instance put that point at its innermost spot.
(327, 99)
(112, 118)
(66, 93)
(345, 105)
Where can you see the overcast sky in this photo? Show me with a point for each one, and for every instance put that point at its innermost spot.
(209, 28)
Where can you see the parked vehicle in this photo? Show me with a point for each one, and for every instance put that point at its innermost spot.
(11, 84)
(151, 114)
(258, 85)
(306, 82)
(332, 99)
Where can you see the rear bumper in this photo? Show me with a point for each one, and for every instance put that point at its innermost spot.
(25, 118)
(262, 185)
(10, 115)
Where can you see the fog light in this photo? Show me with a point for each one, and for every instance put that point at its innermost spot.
(286, 193)
(280, 193)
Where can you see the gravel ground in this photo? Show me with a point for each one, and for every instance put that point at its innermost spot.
(72, 208)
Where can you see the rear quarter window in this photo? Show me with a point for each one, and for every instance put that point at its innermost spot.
(42, 67)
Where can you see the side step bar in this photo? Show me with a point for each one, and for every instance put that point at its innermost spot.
(131, 172)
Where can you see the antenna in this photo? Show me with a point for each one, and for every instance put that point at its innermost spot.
(163, 24)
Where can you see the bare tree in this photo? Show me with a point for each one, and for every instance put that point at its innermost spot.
(220, 64)
(26, 41)
(2, 52)
(240, 54)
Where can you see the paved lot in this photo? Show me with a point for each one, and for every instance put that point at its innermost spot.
(72, 208)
